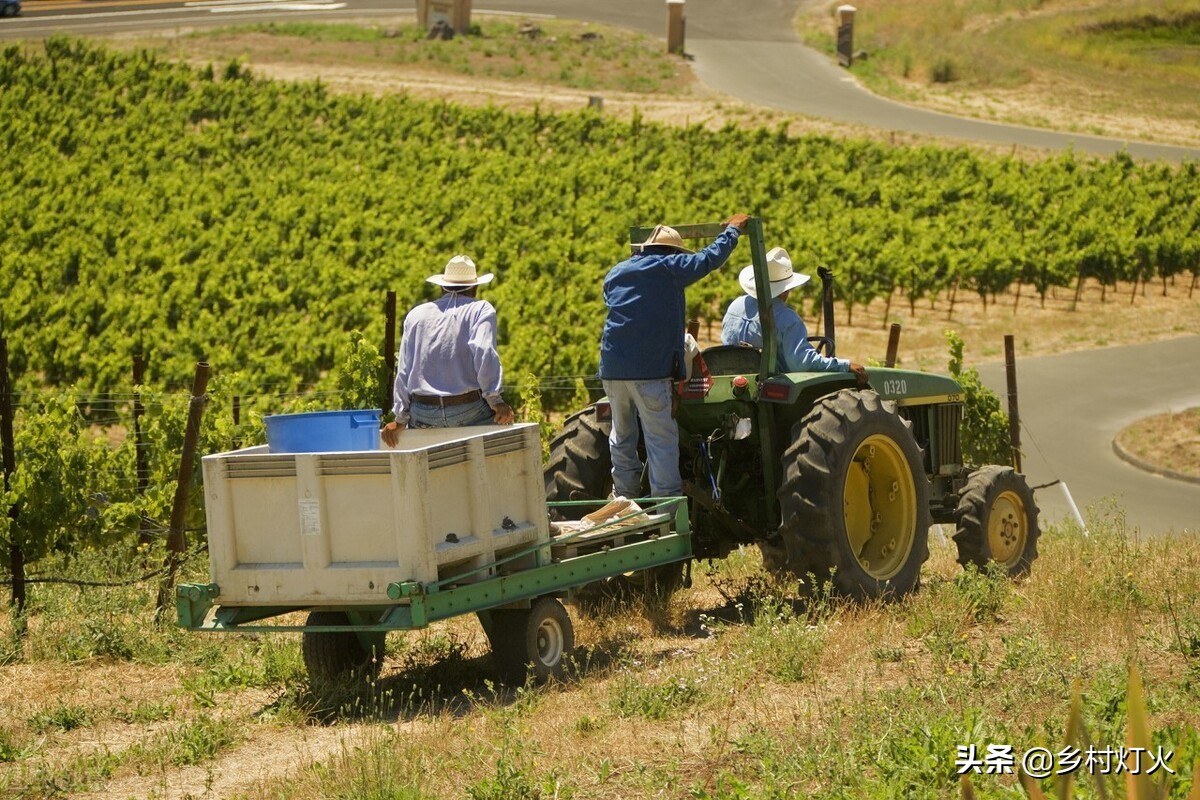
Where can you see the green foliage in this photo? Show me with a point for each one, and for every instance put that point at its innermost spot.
(658, 699)
(67, 480)
(362, 374)
(985, 427)
(251, 223)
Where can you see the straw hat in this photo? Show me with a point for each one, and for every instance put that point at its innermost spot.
(665, 236)
(460, 272)
(779, 270)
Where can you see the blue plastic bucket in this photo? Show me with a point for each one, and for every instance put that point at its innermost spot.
(323, 431)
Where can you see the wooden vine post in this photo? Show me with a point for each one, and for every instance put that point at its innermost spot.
(389, 350)
(141, 448)
(16, 557)
(176, 540)
(1014, 417)
(893, 346)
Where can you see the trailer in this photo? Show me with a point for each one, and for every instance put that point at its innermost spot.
(347, 546)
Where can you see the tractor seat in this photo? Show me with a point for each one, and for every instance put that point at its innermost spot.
(732, 359)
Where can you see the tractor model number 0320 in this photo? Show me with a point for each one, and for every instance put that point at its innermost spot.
(895, 387)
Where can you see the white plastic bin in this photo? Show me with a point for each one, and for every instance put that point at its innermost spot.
(334, 529)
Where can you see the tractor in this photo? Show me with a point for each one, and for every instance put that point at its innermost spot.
(834, 482)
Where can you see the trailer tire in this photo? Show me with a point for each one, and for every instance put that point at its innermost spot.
(854, 499)
(536, 642)
(580, 468)
(331, 656)
(997, 521)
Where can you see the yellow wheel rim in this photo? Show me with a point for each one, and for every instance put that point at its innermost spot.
(1008, 528)
(880, 507)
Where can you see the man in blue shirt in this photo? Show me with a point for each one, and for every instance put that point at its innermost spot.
(642, 353)
(742, 325)
(448, 372)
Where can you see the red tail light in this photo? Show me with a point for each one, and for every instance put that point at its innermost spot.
(603, 411)
(774, 391)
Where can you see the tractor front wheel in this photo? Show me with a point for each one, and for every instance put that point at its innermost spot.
(854, 499)
(997, 521)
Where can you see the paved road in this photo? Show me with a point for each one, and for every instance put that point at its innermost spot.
(1072, 405)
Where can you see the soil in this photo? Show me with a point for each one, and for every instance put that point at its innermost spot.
(1169, 443)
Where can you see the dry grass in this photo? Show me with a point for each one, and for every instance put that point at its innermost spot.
(1167, 441)
(730, 685)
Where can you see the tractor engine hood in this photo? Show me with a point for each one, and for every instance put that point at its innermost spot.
(905, 387)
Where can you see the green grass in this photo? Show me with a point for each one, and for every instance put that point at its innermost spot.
(571, 54)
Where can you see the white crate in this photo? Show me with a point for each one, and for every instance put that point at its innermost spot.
(334, 529)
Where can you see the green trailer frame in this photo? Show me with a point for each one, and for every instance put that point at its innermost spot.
(656, 534)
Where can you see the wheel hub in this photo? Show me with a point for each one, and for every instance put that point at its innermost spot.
(1008, 528)
(880, 507)
(549, 642)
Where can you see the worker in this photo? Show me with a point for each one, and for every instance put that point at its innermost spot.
(795, 354)
(642, 351)
(448, 372)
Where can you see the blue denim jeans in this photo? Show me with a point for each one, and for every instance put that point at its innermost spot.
(431, 415)
(646, 404)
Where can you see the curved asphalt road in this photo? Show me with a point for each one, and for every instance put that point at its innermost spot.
(1071, 405)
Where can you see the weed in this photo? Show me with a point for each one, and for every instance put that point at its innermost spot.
(62, 718)
(655, 700)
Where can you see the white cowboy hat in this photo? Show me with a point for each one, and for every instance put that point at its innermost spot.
(664, 236)
(459, 272)
(779, 270)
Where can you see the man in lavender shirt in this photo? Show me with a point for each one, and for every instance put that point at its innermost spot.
(448, 372)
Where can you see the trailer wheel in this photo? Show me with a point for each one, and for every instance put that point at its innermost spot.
(854, 500)
(535, 641)
(997, 521)
(331, 656)
(580, 468)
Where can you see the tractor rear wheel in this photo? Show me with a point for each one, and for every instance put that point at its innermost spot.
(580, 468)
(997, 521)
(854, 499)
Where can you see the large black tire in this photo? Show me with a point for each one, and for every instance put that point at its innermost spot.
(854, 499)
(538, 641)
(331, 656)
(997, 521)
(580, 468)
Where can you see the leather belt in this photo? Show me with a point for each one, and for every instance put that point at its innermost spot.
(449, 400)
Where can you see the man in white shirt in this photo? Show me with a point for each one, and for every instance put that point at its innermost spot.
(448, 372)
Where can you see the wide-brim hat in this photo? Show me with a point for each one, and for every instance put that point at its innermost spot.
(665, 236)
(459, 273)
(779, 270)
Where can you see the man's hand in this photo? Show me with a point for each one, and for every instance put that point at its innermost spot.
(738, 221)
(860, 372)
(503, 413)
(391, 433)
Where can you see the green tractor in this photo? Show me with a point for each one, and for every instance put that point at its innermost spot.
(829, 479)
